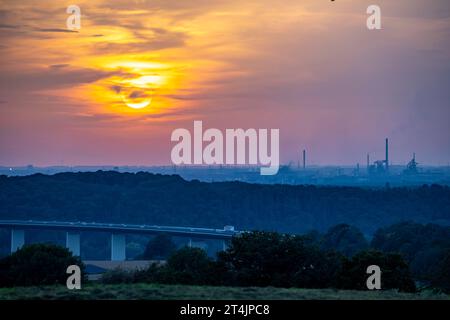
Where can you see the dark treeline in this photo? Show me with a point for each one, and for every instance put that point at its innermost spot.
(337, 259)
(272, 259)
(424, 248)
(170, 200)
(411, 256)
(253, 259)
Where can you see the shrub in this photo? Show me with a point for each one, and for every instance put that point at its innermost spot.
(37, 264)
(345, 239)
(160, 247)
(442, 278)
(273, 259)
(117, 276)
(395, 271)
(188, 266)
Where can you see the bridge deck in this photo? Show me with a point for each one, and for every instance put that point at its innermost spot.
(120, 228)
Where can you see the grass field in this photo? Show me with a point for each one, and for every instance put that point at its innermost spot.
(155, 292)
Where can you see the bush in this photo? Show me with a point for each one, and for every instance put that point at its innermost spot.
(345, 239)
(273, 259)
(159, 248)
(149, 275)
(37, 264)
(395, 271)
(188, 266)
(442, 278)
(422, 246)
(117, 276)
(322, 271)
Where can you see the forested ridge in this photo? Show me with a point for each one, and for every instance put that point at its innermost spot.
(169, 200)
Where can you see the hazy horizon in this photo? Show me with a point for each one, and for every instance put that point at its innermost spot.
(309, 68)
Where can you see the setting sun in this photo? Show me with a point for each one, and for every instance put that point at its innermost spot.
(138, 105)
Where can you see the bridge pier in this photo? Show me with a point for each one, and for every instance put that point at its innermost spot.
(17, 239)
(117, 231)
(224, 245)
(73, 243)
(118, 247)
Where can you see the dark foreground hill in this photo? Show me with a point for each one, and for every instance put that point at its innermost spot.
(170, 200)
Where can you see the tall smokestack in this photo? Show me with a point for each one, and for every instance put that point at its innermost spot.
(368, 161)
(387, 154)
(304, 159)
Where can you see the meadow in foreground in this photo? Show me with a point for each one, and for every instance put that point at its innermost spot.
(169, 292)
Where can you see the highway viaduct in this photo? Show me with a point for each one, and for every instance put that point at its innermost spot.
(117, 231)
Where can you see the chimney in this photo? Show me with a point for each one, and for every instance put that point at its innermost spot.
(387, 154)
(304, 159)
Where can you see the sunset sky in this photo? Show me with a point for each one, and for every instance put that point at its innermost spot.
(308, 67)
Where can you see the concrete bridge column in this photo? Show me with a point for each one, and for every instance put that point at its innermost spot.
(17, 239)
(118, 247)
(224, 245)
(73, 243)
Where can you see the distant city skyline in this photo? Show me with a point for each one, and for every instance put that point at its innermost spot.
(112, 92)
